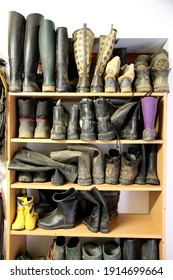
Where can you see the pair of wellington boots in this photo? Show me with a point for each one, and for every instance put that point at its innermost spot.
(26, 217)
(66, 250)
(34, 118)
(83, 40)
(109, 250)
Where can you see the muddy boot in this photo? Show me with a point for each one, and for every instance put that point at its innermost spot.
(111, 74)
(160, 70)
(58, 131)
(30, 215)
(97, 161)
(141, 178)
(27, 114)
(112, 200)
(106, 130)
(73, 129)
(149, 111)
(113, 164)
(111, 250)
(83, 40)
(73, 249)
(45, 204)
(126, 78)
(129, 167)
(59, 248)
(31, 52)
(62, 58)
(91, 250)
(149, 250)
(43, 116)
(88, 120)
(25, 177)
(64, 215)
(142, 70)
(16, 33)
(65, 156)
(104, 54)
(151, 177)
(47, 54)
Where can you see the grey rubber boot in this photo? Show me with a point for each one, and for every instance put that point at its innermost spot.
(59, 248)
(65, 156)
(113, 165)
(27, 115)
(59, 127)
(73, 129)
(73, 249)
(91, 250)
(142, 70)
(149, 250)
(43, 116)
(106, 130)
(88, 119)
(47, 54)
(31, 52)
(83, 40)
(16, 33)
(111, 250)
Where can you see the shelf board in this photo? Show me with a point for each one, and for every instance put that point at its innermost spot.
(122, 226)
(103, 187)
(49, 141)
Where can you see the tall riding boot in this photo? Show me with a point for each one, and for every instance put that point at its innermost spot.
(45, 204)
(126, 78)
(19, 222)
(73, 249)
(111, 74)
(149, 112)
(149, 250)
(64, 215)
(83, 40)
(87, 115)
(113, 165)
(104, 56)
(97, 161)
(47, 54)
(59, 127)
(1, 226)
(43, 116)
(73, 129)
(31, 52)
(62, 58)
(141, 178)
(142, 71)
(84, 174)
(151, 177)
(26, 108)
(106, 130)
(160, 70)
(16, 32)
(59, 248)
(91, 250)
(130, 129)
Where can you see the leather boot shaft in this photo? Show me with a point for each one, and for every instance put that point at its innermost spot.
(16, 33)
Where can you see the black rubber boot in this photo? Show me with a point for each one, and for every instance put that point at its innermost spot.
(141, 178)
(43, 116)
(152, 177)
(45, 204)
(73, 129)
(73, 249)
(64, 215)
(47, 54)
(31, 52)
(62, 58)
(87, 115)
(27, 114)
(106, 130)
(16, 32)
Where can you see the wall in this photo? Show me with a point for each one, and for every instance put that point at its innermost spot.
(132, 19)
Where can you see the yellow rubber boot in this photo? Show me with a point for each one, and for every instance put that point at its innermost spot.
(19, 222)
(30, 216)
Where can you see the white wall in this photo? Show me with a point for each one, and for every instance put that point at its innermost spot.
(132, 19)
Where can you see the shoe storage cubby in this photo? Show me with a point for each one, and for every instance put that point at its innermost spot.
(149, 225)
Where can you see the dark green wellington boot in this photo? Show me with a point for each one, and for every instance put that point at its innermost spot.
(27, 115)
(62, 58)
(43, 116)
(142, 70)
(47, 54)
(87, 116)
(59, 127)
(59, 248)
(98, 165)
(104, 55)
(73, 129)
(73, 249)
(149, 250)
(84, 173)
(112, 167)
(106, 130)
(151, 177)
(31, 52)
(83, 40)
(16, 33)
(91, 251)
(141, 178)
(130, 249)
(111, 250)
